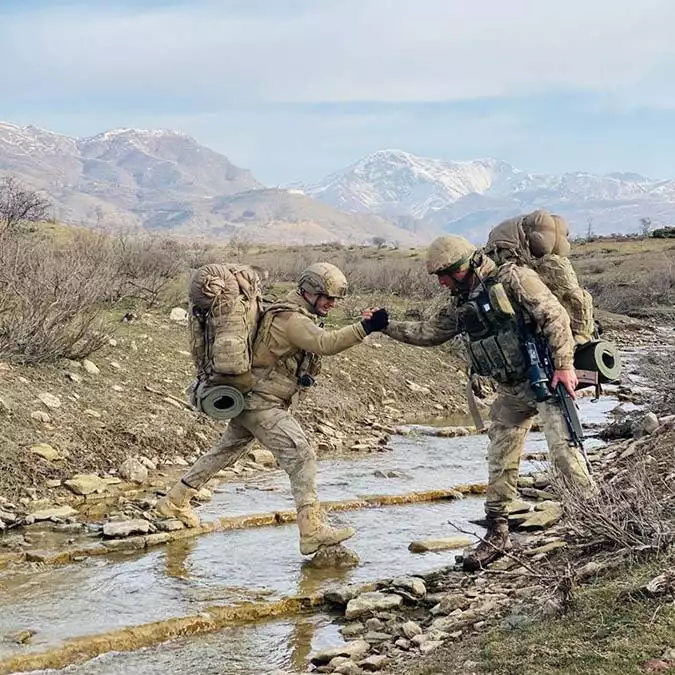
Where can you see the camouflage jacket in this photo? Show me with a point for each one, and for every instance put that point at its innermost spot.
(286, 336)
(527, 292)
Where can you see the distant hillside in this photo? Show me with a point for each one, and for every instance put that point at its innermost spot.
(165, 180)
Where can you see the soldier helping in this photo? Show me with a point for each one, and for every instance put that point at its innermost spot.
(285, 359)
(496, 303)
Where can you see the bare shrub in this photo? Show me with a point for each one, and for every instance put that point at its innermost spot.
(632, 510)
(19, 207)
(147, 266)
(50, 298)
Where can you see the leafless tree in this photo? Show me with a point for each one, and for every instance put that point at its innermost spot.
(20, 206)
(645, 226)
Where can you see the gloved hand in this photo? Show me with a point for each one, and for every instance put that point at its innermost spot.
(378, 320)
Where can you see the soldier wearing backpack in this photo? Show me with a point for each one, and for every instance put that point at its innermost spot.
(285, 358)
(492, 300)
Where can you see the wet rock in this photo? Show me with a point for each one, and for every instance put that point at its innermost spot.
(425, 545)
(179, 315)
(85, 484)
(263, 457)
(333, 556)
(59, 512)
(50, 400)
(374, 662)
(368, 603)
(133, 470)
(125, 528)
(409, 629)
(45, 451)
(169, 525)
(413, 586)
(40, 416)
(540, 520)
(351, 630)
(90, 367)
(354, 650)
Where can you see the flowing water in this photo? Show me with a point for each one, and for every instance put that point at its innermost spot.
(224, 568)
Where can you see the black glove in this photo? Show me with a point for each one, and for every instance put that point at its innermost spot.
(378, 321)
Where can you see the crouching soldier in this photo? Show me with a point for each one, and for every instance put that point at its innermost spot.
(286, 358)
(493, 305)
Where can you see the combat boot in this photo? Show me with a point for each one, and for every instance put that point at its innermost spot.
(176, 504)
(314, 532)
(495, 543)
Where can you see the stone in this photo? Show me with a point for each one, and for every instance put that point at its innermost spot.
(170, 525)
(413, 585)
(74, 377)
(125, 528)
(546, 548)
(535, 493)
(450, 603)
(410, 629)
(540, 520)
(41, 416)
(59, 512)
(525, 482)
(263, 457)
(92, 413)
(85, 484)
(342, 595)
(348, 667)
(354, 650)
(203, 495)
(375, 624)
(541, 480)
(375, 637)
(548, 504)
(179, 315)
(179, 461)
(649, 424)
(148, 463)
(429, 646)
(447, 543)
(337, 556)
(351, 630)
(374, 662)
(375, 601)
(402, 643)
(133, 470)
(519, 506)
(50, 400)
(45, 451)
(90, 367)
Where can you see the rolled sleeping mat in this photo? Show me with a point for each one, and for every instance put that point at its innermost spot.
(221, 402)
(601, 357)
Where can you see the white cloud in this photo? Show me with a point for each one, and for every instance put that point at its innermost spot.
(210, 53)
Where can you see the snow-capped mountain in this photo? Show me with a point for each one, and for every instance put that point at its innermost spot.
(472, 196)
(160, 179)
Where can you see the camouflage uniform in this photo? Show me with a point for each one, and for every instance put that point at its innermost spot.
(513, 410)
(288, 345)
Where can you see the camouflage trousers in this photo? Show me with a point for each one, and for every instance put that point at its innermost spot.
(511, 417)
(275, 429)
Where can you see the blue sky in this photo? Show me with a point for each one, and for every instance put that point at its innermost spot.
(296, 89)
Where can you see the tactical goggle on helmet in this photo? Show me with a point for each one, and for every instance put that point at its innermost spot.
(324, 279)
(447, 255)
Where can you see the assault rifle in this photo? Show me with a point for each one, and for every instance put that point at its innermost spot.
(540, 374)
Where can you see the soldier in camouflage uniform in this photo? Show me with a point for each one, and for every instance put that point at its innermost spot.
(286, 359)
(517, 298)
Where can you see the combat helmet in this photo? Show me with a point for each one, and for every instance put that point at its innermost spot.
(449, 254)
(323, 278)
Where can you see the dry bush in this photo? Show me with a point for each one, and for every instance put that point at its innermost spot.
(51, 298)
(633, 510)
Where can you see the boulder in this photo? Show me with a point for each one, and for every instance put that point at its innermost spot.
(133, 470)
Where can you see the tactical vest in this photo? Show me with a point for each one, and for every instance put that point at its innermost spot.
(490, 326)
(296, 369)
